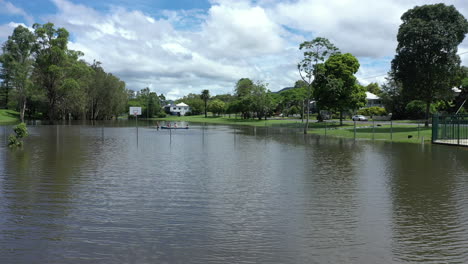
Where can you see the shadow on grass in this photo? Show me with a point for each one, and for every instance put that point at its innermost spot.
(387, 130)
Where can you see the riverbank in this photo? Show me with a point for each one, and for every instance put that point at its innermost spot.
(226, 120)
(403, 132)
(8, 116)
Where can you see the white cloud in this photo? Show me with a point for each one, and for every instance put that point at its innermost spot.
(7, 29)
(186, 51)
(9, 8)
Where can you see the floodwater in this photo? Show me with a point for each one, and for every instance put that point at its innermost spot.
(221, 194)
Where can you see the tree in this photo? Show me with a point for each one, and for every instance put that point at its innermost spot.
(294, 98)
(17, 64)
(217, 106)
(374, 88)
(336, 85)
(315, 51)
(194, 101)
(261, 100)
(205, 95)
(51, 58)
(426, 63)
(244, 89)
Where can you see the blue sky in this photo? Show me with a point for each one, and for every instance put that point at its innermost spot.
(181, 46)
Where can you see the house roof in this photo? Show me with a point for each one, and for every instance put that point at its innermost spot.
(181, 104)
(371, 96)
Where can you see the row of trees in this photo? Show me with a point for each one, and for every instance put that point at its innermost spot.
(41, 77)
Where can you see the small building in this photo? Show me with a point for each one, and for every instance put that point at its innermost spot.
(179, 109)
(373, 100)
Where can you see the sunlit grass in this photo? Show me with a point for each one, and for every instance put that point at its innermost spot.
(8, 116)
(398, 133)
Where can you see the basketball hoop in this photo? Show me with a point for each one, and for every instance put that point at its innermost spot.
(135, 113)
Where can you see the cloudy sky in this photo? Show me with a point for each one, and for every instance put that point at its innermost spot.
(180, 46)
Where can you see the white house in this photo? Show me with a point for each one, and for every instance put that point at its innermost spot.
(373, 100)
(177, 109)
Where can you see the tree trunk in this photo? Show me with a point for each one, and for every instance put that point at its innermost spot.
(306, 127)
(302, 112)
(428, 105)
(23, 109)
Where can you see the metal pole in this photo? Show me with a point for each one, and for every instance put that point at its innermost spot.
(325, 128)
(355, 130)
(458, 132)
(373, 129)
(418, 130)
(391, 130)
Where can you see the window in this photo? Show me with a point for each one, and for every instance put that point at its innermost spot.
(179, 108)
(173, 108)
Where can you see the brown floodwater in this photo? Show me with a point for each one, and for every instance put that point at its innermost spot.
(103, 193)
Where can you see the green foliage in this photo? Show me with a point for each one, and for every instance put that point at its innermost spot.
(43, 75)
(15, 140)
(426, 63)
(374, 88)
(194, 101)
(416, 109)
(315, 53)
(217, 107)
(372, 111)
(205, 95)
(291, 101)
(336, 86)
(17, 66)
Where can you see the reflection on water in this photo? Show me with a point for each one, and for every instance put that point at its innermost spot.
(109, 192)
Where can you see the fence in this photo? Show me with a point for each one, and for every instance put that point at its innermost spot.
(450, 129)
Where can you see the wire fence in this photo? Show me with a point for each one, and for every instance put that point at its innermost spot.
(450, 129)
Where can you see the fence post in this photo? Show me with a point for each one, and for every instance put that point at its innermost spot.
(391, 130)
(355, 130)
(373, 129)
(418, 129)
(325, 128)
(435, 127)
(458, 132)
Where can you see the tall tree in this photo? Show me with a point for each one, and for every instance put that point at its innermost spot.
(315, 52)
(17, 64)
(243, 91)
(336, 85)
(205, 96)
(50, 63)
(426, 63)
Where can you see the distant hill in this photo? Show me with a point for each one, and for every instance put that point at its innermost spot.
(284, 89)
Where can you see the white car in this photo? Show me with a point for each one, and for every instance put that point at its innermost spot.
(359, 118)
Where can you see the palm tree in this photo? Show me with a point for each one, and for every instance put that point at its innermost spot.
(205, 95)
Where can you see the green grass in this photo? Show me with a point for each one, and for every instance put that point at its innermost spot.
(400, 133)
(225, 120)
(8, 116)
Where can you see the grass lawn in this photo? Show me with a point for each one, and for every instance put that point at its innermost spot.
(8, 116)
(225, 120)
(401, 133)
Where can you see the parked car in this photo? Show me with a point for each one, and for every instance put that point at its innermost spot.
(359, 118)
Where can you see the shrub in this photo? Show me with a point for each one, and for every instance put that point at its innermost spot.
(416, 109)
(14, 140)
(372, 111)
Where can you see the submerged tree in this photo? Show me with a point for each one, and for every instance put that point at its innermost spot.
(315, 52)
(426, 63)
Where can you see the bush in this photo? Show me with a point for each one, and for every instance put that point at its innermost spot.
(416, 109)
(372, 111)
(161, 115)
(14, 140)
